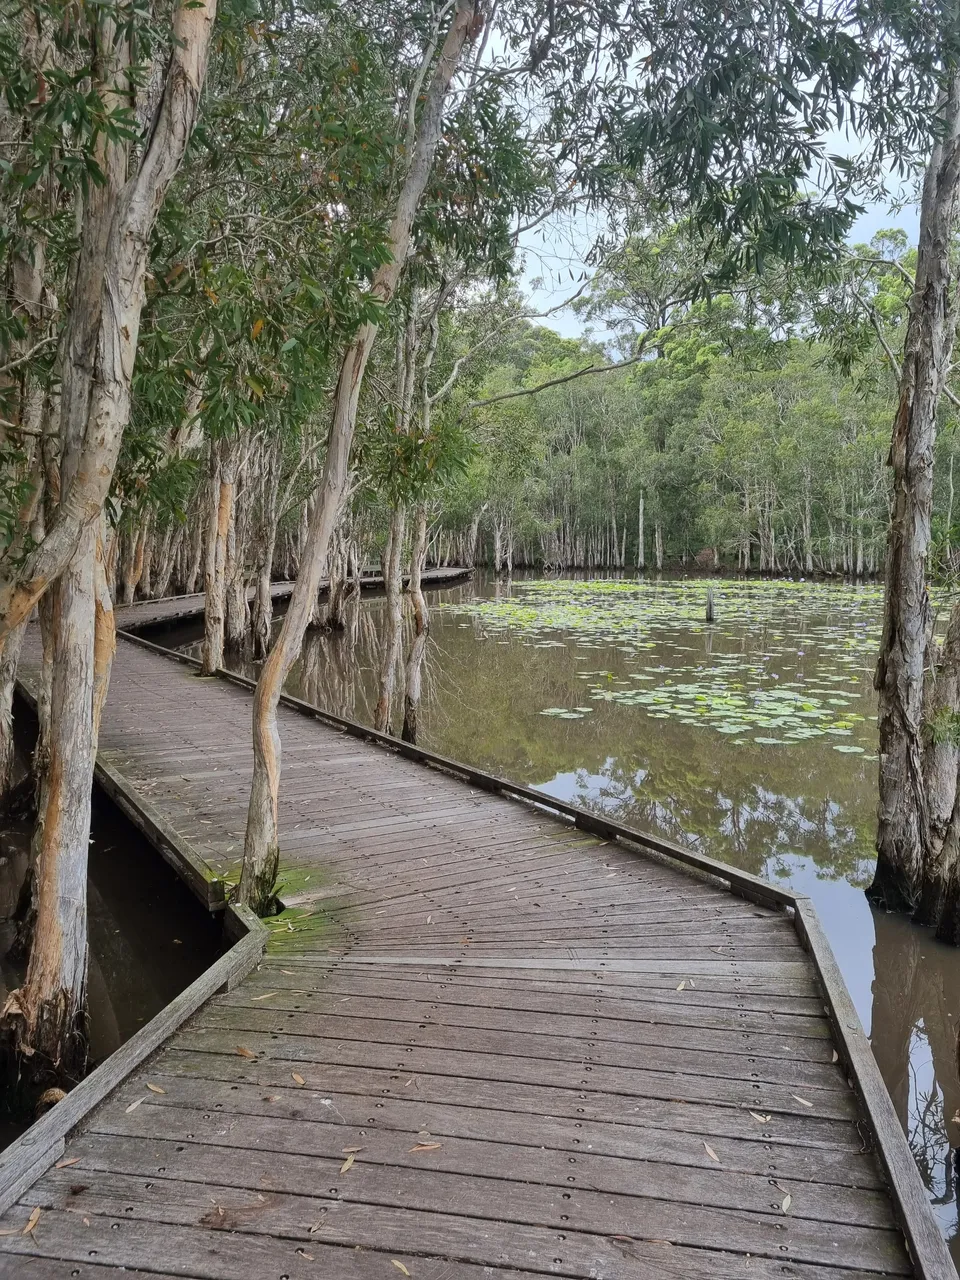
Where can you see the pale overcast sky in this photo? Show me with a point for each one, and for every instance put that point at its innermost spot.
(553, 252)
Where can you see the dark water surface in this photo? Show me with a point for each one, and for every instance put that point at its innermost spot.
(752, 739)
(149, 937)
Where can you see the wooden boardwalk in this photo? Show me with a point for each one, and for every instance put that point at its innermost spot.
(483, 1044)
(180, 608)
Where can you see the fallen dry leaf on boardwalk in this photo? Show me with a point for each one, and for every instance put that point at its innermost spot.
(295, 1075)
(155, 1088)
(32, 1221)
(400, 1266)
(133, 1105)
(426, 1146)
(65, 1164)
(348, 1163)
(244, 1053)
(710, 1152)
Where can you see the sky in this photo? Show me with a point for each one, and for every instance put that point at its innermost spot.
(554, 267)
(554, 252)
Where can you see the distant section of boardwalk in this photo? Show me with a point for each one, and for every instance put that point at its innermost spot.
(483, 1045)
(179, 608)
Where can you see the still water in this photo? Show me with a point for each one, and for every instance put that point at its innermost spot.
(149, 937)
(752, 739)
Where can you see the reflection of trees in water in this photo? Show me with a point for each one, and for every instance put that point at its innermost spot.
(916, 1005)
(733, 816)
(341, 671)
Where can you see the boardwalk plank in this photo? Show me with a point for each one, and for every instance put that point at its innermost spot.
(538, 1039)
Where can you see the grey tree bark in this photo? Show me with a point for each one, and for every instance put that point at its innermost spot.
(903, 841)
(421, 625)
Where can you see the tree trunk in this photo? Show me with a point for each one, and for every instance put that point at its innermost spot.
(48, 1013)
(222, 486)
(902, 834)
(470, 556)
(107, 299)
(947, 553)
(393, 629)
(807, 525)
(237, 622)
(261, 846)
(263, 599)
(421, 622)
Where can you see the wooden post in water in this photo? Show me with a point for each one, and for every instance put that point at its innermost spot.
(709, 610)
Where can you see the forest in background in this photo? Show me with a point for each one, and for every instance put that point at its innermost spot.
(260, 318)
(751, 435)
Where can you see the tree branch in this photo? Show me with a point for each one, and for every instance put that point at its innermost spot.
(569, 377)
(27, 355)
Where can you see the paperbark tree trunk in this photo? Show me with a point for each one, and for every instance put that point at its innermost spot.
(108, 297)
(261, 846)
(238, 608)
(222, 486)
(48, 1013)
(46, 1017)
(902, 830)
(263, 599)
(940, 761)
(421, 624)
(393, 629)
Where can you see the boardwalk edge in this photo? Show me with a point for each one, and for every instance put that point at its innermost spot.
(927, 1247)
(32, 1154)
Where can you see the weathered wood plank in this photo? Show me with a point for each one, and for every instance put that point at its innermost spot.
(299, 1051)
(682, 1143)
(609, 1065)
(369, 1088)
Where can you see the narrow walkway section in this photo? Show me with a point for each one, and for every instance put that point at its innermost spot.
(483, 1044)
(179, 608)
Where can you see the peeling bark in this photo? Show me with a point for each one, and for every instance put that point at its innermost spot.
(421, 624)
(47, 1014)
(104, 325)
(903, 841)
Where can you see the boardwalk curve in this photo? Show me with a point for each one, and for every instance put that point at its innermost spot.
(483, 1043)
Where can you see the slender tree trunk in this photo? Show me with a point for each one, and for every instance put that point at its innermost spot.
(421, 621)
(263, 600)
(237, 623)
(807, 525)
(197, 549)
(222, 487)
(261, 847)
(470, 556)
(107, 299)
(947, 551)
(902, 834)
(48, 1012)
(393, 629)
